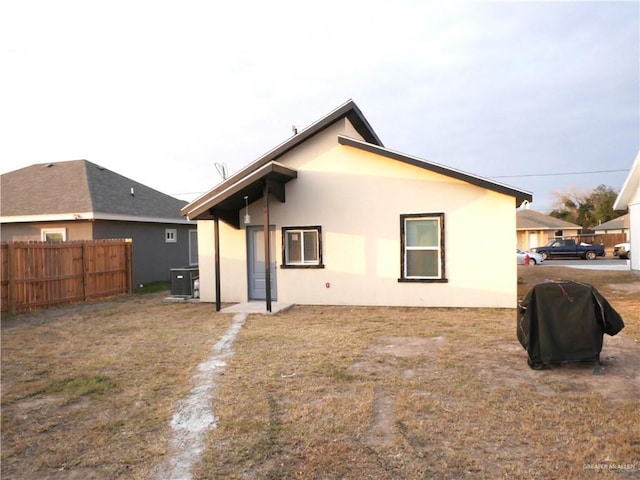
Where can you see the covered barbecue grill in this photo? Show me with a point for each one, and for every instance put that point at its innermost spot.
(565, 322)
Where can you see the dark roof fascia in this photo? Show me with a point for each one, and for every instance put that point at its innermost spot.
(230, 199)
(348, 110)
(519, 195)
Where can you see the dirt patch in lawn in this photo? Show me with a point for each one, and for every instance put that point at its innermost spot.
(318, 392)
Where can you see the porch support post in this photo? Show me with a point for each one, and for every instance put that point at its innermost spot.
(216, 228)
(267, 244)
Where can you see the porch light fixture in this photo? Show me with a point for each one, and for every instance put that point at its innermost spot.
(247, 217)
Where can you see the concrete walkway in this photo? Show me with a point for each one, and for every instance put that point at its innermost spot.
(257, 307)
(195, 415)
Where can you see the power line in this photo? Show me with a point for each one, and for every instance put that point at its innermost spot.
(557, 174)
(492, 176)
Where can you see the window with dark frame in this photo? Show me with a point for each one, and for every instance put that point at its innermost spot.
(302, 247)
(422, 248)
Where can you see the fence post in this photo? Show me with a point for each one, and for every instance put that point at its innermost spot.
(128, 245)
(11, 293)
(85, 272)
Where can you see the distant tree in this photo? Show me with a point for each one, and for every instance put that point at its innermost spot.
(588, 209)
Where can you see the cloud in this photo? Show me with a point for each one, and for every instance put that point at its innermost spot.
(160, 91)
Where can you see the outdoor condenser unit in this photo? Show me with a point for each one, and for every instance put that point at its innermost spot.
(182, 281)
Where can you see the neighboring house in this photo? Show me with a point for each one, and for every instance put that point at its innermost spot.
(536, 229)
(617, 225)
(629, 197)
(354, 223)
(79, 200)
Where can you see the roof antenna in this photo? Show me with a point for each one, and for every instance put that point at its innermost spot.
(294, 129)
(222, 170)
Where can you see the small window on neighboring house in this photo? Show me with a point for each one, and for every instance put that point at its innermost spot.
(193, 247)
(53, 234)
(302, 247)
(170, 235)
(422, 248)
(558, 234)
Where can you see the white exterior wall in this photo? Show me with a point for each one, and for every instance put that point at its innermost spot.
(357, 198)
(233, 269)
(634, 231)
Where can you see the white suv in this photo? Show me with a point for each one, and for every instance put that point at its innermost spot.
(622, 250)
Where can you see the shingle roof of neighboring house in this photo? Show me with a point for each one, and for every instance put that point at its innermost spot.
(226, 196)
(618, 223)
(80, 188)
(532, 220)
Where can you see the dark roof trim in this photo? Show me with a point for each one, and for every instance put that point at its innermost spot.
(349, 110)
(520, 195)
(229, 196)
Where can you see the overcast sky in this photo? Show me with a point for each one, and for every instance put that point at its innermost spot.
(158, 91)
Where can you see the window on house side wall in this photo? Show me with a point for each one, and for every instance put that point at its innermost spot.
(170, 235)
(193, 247)
(53, 234)
(302, 247)
(422, 244)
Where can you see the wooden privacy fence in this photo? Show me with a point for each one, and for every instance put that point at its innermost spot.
(42, 274)
(606, 239)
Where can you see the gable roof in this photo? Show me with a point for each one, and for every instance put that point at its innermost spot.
(618, 223)
(520, 195)
(630, 187)
(199, 208)
(232, 190)
(532, 220)
(81, 189)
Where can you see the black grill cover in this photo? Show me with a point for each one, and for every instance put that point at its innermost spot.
(565, 322)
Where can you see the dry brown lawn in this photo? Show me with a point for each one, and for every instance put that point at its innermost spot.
(88, 392)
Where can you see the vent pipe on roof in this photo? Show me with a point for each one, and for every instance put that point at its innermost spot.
(294, 129)
(132, 192)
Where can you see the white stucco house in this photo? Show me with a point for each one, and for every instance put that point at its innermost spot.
(629, 197)
(352, 222)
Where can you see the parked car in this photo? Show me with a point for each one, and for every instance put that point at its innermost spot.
(569, 248)
(534, 258)
(622, 250)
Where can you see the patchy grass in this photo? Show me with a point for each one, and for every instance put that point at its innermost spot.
(317, 392)
(76, 387)
(153, 287)
(91, 388)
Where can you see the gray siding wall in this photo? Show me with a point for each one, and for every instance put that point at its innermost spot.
(153, 257)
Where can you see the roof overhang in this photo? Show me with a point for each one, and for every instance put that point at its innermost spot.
(227, 199)
(64, 217)
(630, 187)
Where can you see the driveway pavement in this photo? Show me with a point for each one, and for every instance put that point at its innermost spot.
(597, 264)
